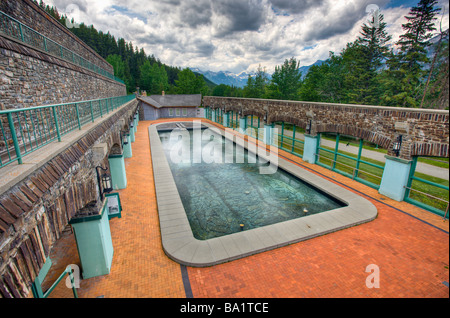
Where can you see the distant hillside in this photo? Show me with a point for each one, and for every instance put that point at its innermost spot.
(224, 77)
(305, 69)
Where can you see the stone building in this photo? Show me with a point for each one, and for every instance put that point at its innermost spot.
(170, 106)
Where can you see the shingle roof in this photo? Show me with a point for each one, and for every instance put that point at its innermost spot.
(159, 101)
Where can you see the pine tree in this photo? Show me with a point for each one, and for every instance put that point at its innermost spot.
(406, 67)
(286, 81)
(373, 51)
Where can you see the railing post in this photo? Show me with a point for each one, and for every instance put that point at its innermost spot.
(21, 32)
(92, 111)
(14, 138)
(361, 143)
(72, 281)
(78, 116)
(56, 123)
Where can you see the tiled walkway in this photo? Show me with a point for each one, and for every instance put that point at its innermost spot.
(410, 246)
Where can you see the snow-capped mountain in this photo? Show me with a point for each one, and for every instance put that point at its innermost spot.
(225, 77)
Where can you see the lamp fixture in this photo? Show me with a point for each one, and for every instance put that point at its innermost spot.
(124, 136)
(397, 145)
(104, 181)
(308, 127)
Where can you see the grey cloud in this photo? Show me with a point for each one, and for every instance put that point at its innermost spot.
(295, 7)
(240, 15)
(195, 13)
(335, 23)
(204, 48)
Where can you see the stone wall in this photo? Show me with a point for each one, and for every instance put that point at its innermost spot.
(30, 14)
(424, 132)
(35, 211)
(30, 78)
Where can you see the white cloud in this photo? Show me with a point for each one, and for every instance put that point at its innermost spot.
(235, 35)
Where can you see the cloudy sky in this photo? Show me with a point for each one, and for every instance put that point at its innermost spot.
(237, 35)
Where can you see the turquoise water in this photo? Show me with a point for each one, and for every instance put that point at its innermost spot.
(219, 197)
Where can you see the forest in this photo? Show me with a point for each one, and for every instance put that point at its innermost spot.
(370, 70)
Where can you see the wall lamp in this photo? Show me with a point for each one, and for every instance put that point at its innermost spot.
(104, 181)
(124, 136)
(397, 145)
(308, 127)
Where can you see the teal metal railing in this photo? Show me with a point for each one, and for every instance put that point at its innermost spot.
(38, 293)
(19, 31)
(25, 130)
(438, 202)
(355, 168)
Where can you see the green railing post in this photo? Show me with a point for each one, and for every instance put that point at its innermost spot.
(14, 138)
(56, 123)
(355, 175)
(21, 32)
(78, 116)
(293, 139)
(412, 170)
(336, 149)
(92, 111)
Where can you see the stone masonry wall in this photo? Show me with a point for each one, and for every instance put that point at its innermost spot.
(424, 132)
(35, 211)
(30, 14)
(31, 78)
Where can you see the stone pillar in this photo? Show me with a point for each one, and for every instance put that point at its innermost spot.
(268, 135)
(310, 148)
(132, 137)
(94, 243)
(242, 124)
(118, 173)
(395, 178)
(226, 119)
(127, 151)
(135, 120)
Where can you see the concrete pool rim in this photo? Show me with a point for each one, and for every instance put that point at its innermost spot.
(180, 245)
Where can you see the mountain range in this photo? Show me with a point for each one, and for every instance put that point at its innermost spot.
(239, 80)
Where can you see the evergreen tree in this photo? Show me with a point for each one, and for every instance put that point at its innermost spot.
(372, 52)
(406, 68)
(286, 81)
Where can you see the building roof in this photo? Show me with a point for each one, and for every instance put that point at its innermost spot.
(160, 101)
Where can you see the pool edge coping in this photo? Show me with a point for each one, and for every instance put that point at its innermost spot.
(180, 245)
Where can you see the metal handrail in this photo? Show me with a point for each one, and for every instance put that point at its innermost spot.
(68, 271)
(19, 31)
(25, 130)
(431, 196)
(354, 168)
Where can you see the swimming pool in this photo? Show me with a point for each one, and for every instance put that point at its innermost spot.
(180, 243)
(228, 197)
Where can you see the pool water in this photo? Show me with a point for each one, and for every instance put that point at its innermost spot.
(220, 197)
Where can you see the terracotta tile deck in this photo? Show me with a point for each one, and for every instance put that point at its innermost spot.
(409, 245)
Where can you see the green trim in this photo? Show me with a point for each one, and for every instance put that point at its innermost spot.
(398, 159)
(117, 214)
(425, 206)
(115, 156)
